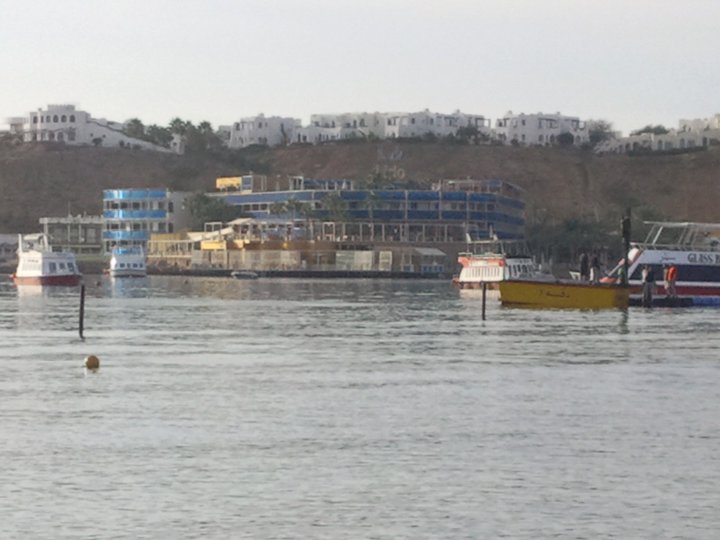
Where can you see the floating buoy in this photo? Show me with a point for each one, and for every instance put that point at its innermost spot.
(92, 362)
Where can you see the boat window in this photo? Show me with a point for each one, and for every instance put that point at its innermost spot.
(52, 268)
(693, 273)
(61, 266)
(71, 266)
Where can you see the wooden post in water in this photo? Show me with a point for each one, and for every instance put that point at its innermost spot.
(483, 299)
(82, 311)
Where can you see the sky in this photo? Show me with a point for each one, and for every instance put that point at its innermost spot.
(629, 62)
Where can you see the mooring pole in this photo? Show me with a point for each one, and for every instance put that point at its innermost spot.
(82, 310)
(483, 300)
(625, 226)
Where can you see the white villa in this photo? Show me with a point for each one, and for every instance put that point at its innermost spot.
(343, 126)
(269, 131)
(440, 125)
(700, 124)
(690, 134)
(539, 129)
(66, 124)
(331, 127)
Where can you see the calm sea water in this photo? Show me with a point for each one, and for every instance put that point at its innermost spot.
(362, 409)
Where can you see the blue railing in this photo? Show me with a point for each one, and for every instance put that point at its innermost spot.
(134, 214)
(134, 194)
(126, 235)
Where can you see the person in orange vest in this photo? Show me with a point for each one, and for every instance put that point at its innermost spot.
(670, 279)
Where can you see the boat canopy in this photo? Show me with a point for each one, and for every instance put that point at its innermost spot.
(682, 236)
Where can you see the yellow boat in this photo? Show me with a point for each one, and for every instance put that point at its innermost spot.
(562, 294)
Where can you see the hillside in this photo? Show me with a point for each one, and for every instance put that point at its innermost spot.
(560, 183)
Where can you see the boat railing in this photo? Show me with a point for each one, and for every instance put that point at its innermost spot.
(677, 246)
(500, 248)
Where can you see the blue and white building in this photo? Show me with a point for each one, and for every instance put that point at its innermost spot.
(452, 211)
(130, 216)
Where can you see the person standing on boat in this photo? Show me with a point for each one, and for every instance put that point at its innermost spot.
(584, 267)
(648, 284)
(670, 279)
(595, 268)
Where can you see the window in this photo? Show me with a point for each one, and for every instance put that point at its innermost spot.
(34, 119)
(52, 268)
(55, 118)
(63, 118)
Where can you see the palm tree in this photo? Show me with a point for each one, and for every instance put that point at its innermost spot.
(370, 205)
(134, 128)
(336, 206)
(179, 126)
(277, 208)
(337, 211)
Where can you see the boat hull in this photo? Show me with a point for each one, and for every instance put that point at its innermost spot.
(244, 274)
(54, 281)
(128, 274)
(562, 295)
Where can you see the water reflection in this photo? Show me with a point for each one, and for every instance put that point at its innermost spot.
(127, 287)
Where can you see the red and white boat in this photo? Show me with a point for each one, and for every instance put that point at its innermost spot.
(694, 249)
(39, 265)
(491, 261)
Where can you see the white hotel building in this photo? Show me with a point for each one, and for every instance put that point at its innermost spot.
(539, 129)
(68, 125)
(532, 129)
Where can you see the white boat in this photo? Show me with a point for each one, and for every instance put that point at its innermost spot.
(128, 261)
(491, 261)
(39, 265)
(693, 248)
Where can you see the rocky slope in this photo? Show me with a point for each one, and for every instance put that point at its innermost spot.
(560, 183)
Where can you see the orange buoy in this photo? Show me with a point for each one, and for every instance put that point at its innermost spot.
(92, 362)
